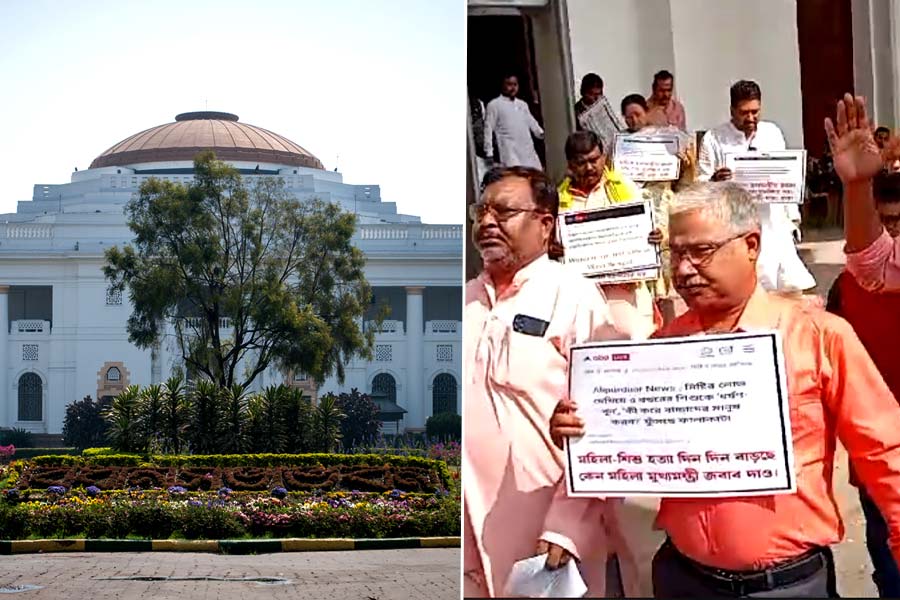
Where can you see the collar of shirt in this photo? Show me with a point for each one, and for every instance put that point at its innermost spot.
(762, 312)
(652, 103)
(529, 271)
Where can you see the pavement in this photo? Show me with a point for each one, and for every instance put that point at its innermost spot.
(358, 575)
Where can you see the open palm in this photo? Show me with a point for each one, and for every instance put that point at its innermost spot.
(856, 155)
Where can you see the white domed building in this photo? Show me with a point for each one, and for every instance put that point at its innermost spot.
(64, 337)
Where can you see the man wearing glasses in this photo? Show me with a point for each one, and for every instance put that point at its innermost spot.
(522, 314)
(769, 546)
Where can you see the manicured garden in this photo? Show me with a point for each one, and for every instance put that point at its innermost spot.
(211, 463)
(228, 496)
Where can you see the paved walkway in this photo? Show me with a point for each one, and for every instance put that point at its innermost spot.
(358, 575)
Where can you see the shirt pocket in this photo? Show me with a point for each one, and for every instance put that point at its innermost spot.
(808, 428)
(531, 365)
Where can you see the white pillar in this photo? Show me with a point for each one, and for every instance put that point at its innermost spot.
(415, 372)
(6, 397)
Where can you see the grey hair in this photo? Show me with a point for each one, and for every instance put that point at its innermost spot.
(727, 202)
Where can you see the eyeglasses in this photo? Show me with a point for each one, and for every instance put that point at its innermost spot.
(501, 213)
(699, 255)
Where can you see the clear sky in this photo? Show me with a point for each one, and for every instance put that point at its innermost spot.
(372, 87)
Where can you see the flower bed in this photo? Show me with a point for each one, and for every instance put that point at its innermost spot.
(214, 515)
(197, 497)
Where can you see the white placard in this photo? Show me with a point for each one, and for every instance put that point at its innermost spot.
(647, 157)
(776, 177)
(698, 416)
(611, 241)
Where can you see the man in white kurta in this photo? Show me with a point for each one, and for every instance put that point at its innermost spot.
(779, 267)
(522, 315)
(510, 120)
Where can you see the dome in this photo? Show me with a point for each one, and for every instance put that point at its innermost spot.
(194, 132)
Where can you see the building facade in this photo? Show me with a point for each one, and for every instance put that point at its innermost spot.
(64, 335)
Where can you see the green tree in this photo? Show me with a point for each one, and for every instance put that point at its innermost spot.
(360, 423)
(298, 419)
(327, 419)
(248, 275)
(176, 414)
(124, 418)
(84, 425)
(234, 421)
(152, 415)
(205, 412)
(266, 418)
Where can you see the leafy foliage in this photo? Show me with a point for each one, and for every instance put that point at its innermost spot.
(327, 424)
(20, 438)
(444, 426)
(360, 421)
(84, 425)
(248, 274)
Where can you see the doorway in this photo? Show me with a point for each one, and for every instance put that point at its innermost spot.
(500, 45)
(825, 40)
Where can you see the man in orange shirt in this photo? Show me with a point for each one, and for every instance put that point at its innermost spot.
(769, 546)
(662, 107)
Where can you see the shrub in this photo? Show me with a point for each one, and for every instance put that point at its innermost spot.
(125, 421)
(84, 425)
(64, 469)
(19, 438)
(327, 424)
(360, 421)
(444, 426)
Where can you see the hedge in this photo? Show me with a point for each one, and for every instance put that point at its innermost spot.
(379, 478)
(26, 453)
(246, 460)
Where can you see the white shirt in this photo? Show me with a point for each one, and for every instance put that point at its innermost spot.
(511, 121)
(779, 266)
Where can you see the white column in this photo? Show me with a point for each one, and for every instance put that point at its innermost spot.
(6, 397)
(415, 372)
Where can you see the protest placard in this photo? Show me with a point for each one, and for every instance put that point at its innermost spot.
(611, 242)
(647, 157)
(776, 177)
(681, 417)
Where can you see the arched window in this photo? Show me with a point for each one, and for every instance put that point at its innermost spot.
(31, 397)
(443, 394)
(114, 374)
(385, 384)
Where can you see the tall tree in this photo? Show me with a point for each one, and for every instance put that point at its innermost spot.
(249, 275)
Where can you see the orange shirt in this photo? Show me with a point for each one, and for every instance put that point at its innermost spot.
(835, 392)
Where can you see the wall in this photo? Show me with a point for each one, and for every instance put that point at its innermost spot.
(623, 41)
(708, 46)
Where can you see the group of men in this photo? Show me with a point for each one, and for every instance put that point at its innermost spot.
(732, 261)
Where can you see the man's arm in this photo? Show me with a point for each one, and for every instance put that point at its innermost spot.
(533, 125)
(680, 117)
(866, 415)
(706, 161)
(872, 257)
(490, 122)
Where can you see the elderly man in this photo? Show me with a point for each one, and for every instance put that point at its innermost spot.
(780, 267)
(769, 546)
(664, 109)
(522, 315)
(510, 120)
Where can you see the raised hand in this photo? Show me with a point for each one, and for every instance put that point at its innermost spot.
(856, 155)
